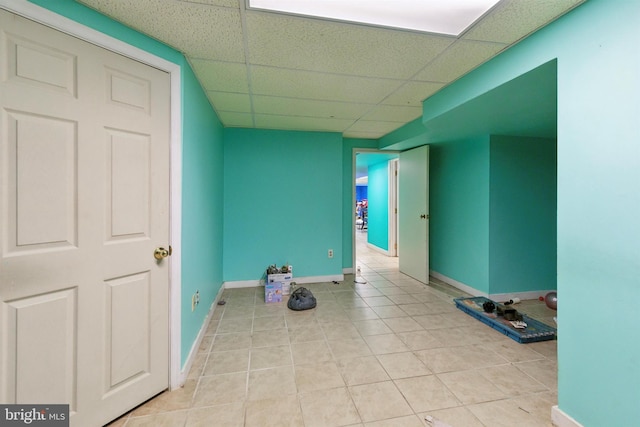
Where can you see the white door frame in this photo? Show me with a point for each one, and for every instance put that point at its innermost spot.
(68, 26)
(393, 207)
(354, 152)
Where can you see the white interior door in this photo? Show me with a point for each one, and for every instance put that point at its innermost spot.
(84, 201)
(413, 213)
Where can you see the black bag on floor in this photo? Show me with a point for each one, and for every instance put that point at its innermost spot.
(301, 299)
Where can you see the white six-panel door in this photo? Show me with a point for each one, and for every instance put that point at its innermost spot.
(84, 201)
(413, 213)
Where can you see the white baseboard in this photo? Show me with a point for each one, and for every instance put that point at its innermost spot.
(378, 249)
(243, 284)
(184, 372)
(307, 279)
(319, 279)
(347, 270)
(560, 419)
(495, 297)
(522, 295)
(459, 285)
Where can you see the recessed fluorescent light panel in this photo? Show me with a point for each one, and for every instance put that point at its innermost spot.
(449, 17)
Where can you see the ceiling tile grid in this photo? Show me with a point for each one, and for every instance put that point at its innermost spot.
(513, 19)
(412, 93)
(328, 87)
(332, 47)
(223, 3)
(266, 121)
(310, 107)
(361, 135)
(196, 29)
(232, 102)
(234, 119)
(393, 113)
(221, 76)
(277, 71)
(460, 58)
(372, 126)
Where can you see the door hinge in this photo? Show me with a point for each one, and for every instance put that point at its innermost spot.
(395, 246)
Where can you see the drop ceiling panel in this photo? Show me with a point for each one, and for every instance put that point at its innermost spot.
(296, 72)
(459, 59)
(221, 76)
(301, 123)
(328, 87)
(224, 3)
(514, 19)
(412, 94)
(233, 119)
(199, 30)
(308, 107)
(374, 126)
(393, 113)
(315, 45)
(362, 135)
(226, 101)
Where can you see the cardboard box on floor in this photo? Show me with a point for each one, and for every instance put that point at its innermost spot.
(284, 278)
(273, 292)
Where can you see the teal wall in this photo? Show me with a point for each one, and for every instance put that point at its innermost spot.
(459, 211)
(202, 236)
(598, 197)
(283, 194)
(348, 201)
(202, 172)
(411, 135)
(598, 210)
(378, 199)
(493, 213)
(522, 210)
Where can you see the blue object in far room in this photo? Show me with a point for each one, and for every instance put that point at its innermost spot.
(533, 332)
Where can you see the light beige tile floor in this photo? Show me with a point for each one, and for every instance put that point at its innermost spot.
(380, 349)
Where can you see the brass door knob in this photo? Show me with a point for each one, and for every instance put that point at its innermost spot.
(161, 252)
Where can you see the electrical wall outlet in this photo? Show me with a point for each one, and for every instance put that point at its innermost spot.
(330, 253)
(195, 300)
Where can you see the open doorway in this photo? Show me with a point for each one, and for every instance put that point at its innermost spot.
(374, 208)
